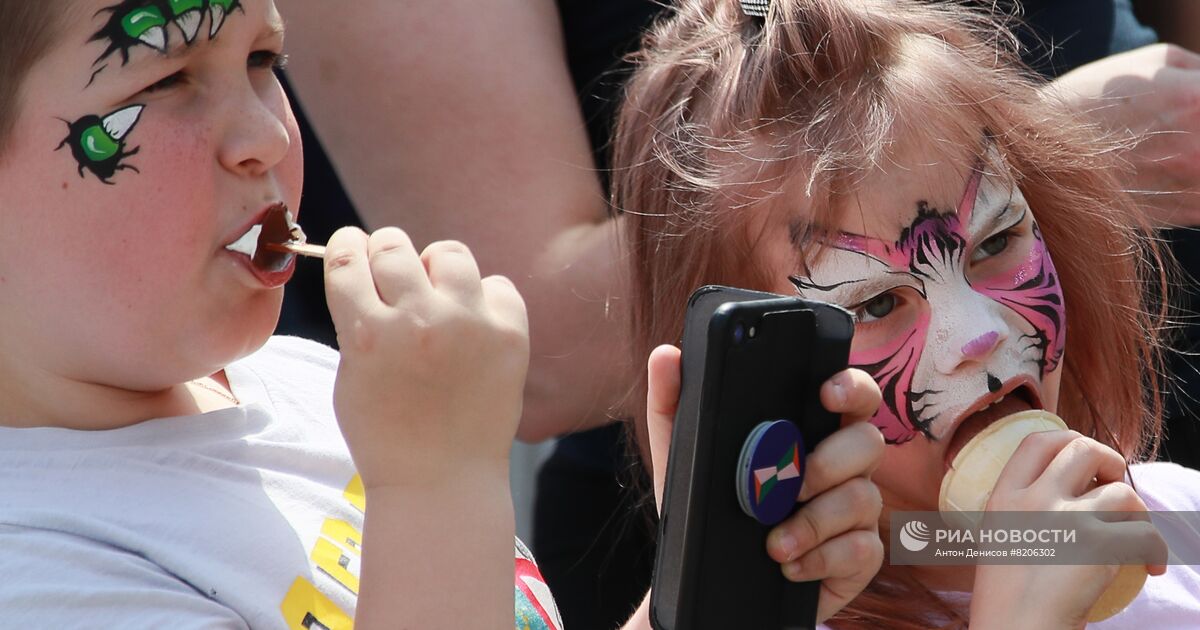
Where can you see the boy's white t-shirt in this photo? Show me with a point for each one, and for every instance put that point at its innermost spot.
(245, 517)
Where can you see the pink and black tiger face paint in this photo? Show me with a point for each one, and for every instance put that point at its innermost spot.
(962, 306)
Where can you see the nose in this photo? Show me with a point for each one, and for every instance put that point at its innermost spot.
(980, 346)
(256, 138)
(968, 335)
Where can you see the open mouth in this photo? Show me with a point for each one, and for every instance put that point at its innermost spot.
(1016, 395)
(261, 243)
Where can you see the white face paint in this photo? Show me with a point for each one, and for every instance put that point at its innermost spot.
(247, 243)
(954, 310)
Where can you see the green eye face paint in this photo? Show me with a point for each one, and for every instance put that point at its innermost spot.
(218, 10)
(187, 14)
(133, 23)
(147, 25)
(98, 144)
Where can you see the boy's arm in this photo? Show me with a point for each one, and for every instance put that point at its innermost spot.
(428, 396)
(458, 119)
(438, 554)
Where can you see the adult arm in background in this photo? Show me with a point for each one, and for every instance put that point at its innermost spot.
(1150, 95)
(457, 119)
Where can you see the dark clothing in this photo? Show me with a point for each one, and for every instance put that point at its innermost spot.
(324, 208)
(1181, 443)
(1058, 36)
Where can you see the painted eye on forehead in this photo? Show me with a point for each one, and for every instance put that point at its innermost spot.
(147, 23)
(187, 15)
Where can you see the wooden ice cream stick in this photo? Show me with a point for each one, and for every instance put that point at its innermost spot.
(296, 247)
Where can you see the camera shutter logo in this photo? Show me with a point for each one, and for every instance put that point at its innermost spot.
(914, 536)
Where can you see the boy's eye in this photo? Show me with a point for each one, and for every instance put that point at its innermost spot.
(991, 247)
(877, 307)
(165, 83)
(267, 59)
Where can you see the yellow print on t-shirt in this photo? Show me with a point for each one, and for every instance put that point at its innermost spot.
(337, 553)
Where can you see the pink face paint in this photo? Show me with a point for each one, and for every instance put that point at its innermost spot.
(893, 368)
(1017, 314)
(931, 249)
(979, 346)
(1032, 290)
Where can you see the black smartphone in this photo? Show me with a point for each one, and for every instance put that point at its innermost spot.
(749, 361)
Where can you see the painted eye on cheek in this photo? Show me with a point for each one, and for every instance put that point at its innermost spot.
(876, 308)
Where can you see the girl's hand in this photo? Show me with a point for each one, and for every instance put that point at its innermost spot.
(1059, 471)
(433, 358)
(835, 536)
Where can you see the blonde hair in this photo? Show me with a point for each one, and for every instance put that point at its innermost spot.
(725, 116)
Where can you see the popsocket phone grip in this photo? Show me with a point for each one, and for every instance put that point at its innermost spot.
(770, 471)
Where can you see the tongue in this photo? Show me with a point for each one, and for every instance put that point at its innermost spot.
(973, 424)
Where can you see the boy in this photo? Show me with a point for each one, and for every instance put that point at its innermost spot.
(159, 465)
(121, 304)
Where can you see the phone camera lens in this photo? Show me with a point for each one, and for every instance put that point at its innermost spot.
(739, 333)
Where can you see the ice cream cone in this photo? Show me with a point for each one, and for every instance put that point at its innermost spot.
(972, 476)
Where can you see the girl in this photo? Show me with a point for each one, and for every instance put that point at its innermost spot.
(891, 157)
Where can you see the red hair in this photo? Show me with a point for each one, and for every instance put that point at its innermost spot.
(726, 117)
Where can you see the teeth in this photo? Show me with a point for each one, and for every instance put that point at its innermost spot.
(993, 403)
(248, 243)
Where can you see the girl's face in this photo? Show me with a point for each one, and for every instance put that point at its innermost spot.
(149, 138)
(959, 314)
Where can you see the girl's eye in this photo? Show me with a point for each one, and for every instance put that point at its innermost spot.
(877, 307)
(267, 59)
(991, 247)
(165, 83)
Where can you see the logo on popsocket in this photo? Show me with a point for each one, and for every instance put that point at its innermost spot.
(914, 536)
(770, 471)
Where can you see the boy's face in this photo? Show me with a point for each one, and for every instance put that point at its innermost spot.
(151, 136)
(960, 317)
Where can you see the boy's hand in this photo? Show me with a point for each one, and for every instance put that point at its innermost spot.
(835, 536)
(433, 358)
